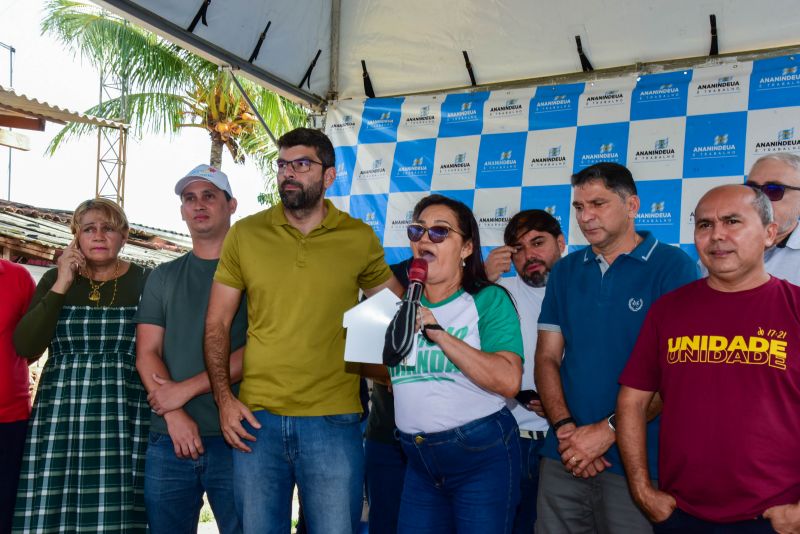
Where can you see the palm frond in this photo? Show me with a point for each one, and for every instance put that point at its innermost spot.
(155, 113)
(114, 46)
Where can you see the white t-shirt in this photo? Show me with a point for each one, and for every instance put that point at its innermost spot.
(434, 395)
(784, 262)
(529, 303)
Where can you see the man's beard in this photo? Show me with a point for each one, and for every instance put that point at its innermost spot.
(536, 278)
(302, 198)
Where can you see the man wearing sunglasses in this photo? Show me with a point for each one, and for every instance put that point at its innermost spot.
(595, 303)
(534, 242)
(778, 177)
(301, 264)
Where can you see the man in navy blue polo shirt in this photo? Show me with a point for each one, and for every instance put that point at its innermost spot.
(594, 305)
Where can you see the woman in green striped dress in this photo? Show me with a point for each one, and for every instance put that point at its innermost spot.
(83, 466)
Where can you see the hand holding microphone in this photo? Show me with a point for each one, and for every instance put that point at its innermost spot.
(400, 333)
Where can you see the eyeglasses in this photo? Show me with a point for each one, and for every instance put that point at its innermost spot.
(300, 165)
(436, 234)
(774, 192)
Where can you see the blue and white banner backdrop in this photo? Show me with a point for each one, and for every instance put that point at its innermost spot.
(680, 132)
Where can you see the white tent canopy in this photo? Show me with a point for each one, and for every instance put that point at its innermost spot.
(416, 45)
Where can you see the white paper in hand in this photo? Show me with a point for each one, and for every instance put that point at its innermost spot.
(366, 326)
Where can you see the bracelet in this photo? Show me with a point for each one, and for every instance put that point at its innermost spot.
(565, 421)
(432, 326)
(612, 422)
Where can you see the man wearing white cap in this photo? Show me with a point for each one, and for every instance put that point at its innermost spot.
(187, 454)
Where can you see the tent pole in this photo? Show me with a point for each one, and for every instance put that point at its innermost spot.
(253, 108)
(336, 14)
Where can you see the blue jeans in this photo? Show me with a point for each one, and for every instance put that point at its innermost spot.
(173, 487)
(529, 485)
(385, 466)
(464, 480)
(682, 523)
(323, 455)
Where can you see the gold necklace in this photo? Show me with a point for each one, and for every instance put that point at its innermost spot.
(94, 293)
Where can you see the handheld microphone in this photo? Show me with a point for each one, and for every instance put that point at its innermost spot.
(400, 333)
(417, 274)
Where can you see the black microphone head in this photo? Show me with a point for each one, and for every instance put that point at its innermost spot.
(418, 270)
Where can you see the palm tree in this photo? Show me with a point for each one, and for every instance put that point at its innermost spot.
(170, 88)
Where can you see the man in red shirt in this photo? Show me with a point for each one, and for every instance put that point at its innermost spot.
(724, 354)
(16, 290)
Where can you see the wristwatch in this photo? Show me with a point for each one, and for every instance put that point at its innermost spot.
(612, 422)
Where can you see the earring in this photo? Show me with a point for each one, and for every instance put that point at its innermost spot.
(463, 263)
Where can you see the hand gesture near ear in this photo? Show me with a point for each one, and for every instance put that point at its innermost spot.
(69, 263)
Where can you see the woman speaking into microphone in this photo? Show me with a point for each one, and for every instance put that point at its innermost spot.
(460, 439)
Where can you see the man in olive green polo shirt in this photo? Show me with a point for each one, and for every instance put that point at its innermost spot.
(301, 264)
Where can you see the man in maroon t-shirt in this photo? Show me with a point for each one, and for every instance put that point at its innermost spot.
(16, 290)
(724, 353)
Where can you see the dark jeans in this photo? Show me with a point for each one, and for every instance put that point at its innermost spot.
(385, 466)
(12, 443)
(682, 523)
(464, 480)
(529, 485)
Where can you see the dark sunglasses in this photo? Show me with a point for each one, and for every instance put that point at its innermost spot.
(774, 192)
(436, 234)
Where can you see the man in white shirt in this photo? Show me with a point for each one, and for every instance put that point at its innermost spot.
(778, 176)
(533, 243)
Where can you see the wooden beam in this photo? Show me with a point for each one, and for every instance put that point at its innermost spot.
(14, 140)
(22, 123)
(18, 247)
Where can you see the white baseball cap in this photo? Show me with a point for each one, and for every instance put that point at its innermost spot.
(207, 173)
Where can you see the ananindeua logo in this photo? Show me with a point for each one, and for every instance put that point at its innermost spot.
(724, 85)
(788, 77)
(503, 163)
(417, 168)
(719, 148)
(658, 215)
(499, 220)
(466, 113)
(553, 159)
(459, 165)
(551, 209)
(784, 141)
(605, 152)
(377, 171)
(384, 121)
(609, 98)
(347, 123)
(661, 151)
(509, 108)
(556, 103)
(423, 118)
(403, 222)
(665, 91)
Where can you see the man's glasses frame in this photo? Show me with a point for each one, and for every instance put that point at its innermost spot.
(299, 165)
